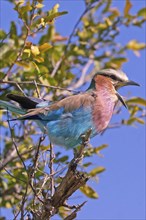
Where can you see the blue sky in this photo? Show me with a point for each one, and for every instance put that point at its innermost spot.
(122, 186)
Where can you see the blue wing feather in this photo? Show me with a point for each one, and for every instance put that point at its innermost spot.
(67, 128)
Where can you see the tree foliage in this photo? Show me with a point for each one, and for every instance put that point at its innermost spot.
(38, 61)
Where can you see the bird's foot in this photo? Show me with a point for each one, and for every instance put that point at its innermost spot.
(86, 137)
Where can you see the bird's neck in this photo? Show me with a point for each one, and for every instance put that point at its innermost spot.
(106, 100)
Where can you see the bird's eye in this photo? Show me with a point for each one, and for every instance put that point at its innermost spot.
(113, 77)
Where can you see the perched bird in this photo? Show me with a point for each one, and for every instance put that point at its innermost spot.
(65, 121)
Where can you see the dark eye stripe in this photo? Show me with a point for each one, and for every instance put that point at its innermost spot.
(112, 77)
(116, 78)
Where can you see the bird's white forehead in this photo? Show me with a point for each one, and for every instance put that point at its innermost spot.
(118, 73)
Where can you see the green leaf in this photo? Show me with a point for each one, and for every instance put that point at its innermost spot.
(61, 159)
(87, 164)
(127, 8)
(54, 15)
(96, 170)
(108, 4)
(13, 30)
(36, 66)
(142, 12)
(116, 62)
(2, 34)
(89, 192)
(25, 8)
(137, 101)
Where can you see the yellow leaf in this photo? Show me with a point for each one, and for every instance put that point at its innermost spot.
(97, 149)
(134, 45)
(55, 8)
(89, 192)
(8, 205)
(39, 5)
(23, 64)
(127, 8)
(133, 119)
(39, 59)
(96, 170)
(42, 22)
(44, 47)
(108, 22)
(18, 164)
(35, 50)
(141, 121)
(28, 51)
(102, 26)
(137, 101)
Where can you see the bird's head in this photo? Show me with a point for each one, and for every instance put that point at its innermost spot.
(118, 79)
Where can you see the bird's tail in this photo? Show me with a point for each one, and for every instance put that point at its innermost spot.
(13, 108)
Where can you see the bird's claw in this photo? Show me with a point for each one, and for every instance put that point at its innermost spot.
(86, 137)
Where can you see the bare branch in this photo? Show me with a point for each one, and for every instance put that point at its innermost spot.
(52, 156)
(38, 84)
(88, 8)
(71, 182)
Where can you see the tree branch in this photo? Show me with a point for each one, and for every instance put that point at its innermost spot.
(71, 182)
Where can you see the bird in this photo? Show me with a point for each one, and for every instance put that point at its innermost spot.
(67, 120)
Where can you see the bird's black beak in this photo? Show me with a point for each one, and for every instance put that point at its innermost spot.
(130, 83)
(125, 83)
(121, 99)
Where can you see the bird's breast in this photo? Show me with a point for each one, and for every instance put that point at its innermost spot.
(103, 108)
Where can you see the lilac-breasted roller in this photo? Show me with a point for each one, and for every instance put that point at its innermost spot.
(65, 121)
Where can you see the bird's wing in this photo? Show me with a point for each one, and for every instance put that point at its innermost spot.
(66, 105)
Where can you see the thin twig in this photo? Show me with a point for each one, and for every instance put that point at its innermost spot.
(15, 145)
(38, 84)
(37, 90)
(20, 89)
(74, 213)
(51, 169)
(35, 163)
